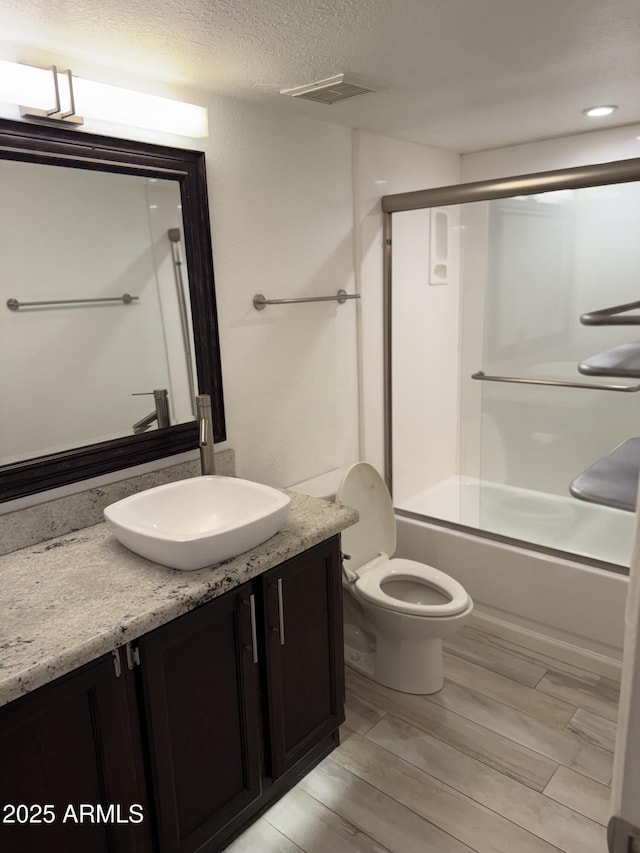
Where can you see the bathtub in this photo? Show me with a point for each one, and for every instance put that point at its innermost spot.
(559, 522)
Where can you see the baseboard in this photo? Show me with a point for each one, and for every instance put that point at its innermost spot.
(559, 649)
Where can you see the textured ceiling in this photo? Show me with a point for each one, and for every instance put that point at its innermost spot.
(459, 74)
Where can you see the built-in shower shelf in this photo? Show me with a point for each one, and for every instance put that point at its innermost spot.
(620, 361)
(613, 480)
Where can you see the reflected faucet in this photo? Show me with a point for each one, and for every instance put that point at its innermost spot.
(160, 413)
(205, 434)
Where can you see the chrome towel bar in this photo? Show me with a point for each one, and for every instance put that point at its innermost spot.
(14, 305)
(260, 300)
(557, 382)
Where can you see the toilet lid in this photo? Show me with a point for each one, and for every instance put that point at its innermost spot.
(363, 489)
(430, 592)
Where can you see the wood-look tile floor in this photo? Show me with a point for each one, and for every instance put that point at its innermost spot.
(513, 755)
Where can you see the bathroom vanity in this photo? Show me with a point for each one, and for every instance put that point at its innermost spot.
(181, 703)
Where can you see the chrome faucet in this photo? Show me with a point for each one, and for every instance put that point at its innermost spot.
(160, 413)
(205, 434)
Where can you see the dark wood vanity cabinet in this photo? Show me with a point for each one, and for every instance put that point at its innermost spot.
(304, 643)
(66, 749)
(229, 706)
(238, 694)
(201, 697)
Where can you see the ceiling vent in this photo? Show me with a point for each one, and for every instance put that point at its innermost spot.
(331, 90)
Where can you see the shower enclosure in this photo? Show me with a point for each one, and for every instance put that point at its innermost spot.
(507, 389)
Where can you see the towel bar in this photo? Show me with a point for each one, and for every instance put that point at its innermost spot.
(557, 382)
(14, 305)
(260, 300)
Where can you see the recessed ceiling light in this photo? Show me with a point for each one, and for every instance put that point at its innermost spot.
(600, 112)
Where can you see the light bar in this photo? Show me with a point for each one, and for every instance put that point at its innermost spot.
(50, 95)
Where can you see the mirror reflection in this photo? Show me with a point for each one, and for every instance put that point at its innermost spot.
(86, 371)
(109, 234)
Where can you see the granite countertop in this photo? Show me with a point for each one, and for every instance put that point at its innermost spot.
(69, 600)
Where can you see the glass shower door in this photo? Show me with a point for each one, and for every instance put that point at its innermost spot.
(548, 258)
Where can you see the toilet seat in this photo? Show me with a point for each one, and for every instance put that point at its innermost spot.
(371, 544)
(371, 579)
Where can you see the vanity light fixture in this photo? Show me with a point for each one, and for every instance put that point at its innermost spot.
(49, 95)
(601, 111)
(38, 88)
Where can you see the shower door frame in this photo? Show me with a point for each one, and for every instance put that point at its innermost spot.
(576, 177)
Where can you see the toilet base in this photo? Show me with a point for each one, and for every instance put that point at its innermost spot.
(421, 671)
(398, 650)
(412, 668)
(362, 662)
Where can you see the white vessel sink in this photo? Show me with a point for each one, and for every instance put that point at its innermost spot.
(198, 522)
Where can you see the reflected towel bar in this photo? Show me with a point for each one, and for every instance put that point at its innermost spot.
(14, 305)
(259, 300)
(557, 382)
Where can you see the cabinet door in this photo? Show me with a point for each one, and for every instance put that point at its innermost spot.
(305, 655)
(70, 746)
(200, 689)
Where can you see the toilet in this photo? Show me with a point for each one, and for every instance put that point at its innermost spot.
(396, 611)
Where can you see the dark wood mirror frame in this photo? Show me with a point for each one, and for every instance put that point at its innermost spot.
(57, 146)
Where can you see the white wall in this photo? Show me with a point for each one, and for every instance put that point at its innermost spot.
(599, 146)
(282, 219)
(383, 166)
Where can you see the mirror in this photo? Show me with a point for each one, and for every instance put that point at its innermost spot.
(107, 297)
